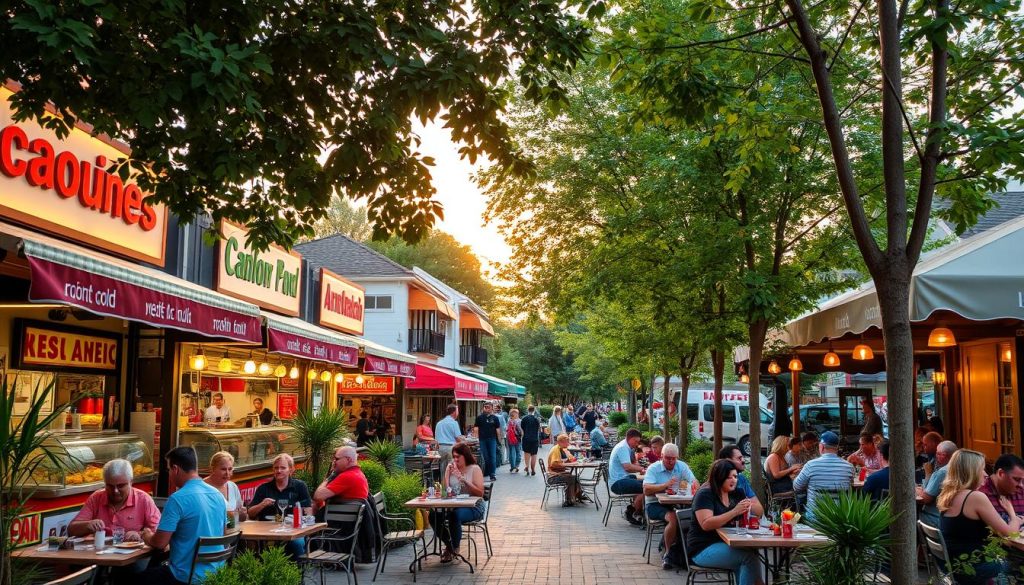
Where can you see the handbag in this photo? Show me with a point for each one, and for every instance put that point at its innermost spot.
(511, 435)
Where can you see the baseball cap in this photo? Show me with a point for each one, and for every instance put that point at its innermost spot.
(830, 439)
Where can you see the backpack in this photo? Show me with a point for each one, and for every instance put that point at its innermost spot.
(511, 435)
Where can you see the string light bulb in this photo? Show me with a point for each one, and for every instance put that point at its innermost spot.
(339, 378)
(325, 376)
(280, 371)
(225, 365)
(312, 373)
(773, 368)
(744, 379)
(249, 367)
(265, 369)
(294, 372)
(198, 361)
(360, 379)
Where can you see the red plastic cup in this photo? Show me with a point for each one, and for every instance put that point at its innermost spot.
(863, 473)
(787, 530)
(753, 523)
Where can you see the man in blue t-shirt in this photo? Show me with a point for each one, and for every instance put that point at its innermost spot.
(621, 466)
(195, 510)
(667, 473)
(734, 454)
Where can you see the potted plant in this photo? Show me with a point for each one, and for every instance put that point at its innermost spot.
(384, 452)
(23, 450)
(319, 435)
(270, 566)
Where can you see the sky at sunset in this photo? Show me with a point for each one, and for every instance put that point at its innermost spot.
(464, 205)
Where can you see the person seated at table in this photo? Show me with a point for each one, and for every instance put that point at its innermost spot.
(667, 474)
(558, 474)
(653, 453)
(424, 435)
(867, 456)
(716, 505)
(282, 486)
(879, 480)
(621, 467)
(826, 473)
(463, 476)
(420, 447)
(195, 510)
(266, 415)
(222, 466)
(810, 446)
(967, 518)
(119, 505)
(795, 454)
(929, 493)
(780, 474)
(930, 443)
(346, 480)
(598, 441)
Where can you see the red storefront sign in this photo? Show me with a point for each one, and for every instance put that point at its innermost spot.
(389, 367)
(45, 347)
(52, 282)
(287, 405)
(382, 385)
(304, 347)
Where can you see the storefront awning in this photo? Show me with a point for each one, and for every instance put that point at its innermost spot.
(423, 301)
(386, 361)
(73, 275)
(298, 338)
(438, 378)
(972, 278)
(497, 385)
(470, 320)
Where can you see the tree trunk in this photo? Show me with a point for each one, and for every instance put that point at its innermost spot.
(664, 405)
(684, 422)
(894, 302)
(631, 402)
(718, 367)
(757, 332)
(650, 403)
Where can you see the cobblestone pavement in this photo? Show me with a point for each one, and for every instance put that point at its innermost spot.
(539, 547)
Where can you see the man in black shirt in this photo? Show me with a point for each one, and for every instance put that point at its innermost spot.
(590, 419)
(487, 426)
(364, 429)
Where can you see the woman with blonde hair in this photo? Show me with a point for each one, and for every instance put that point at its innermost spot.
(780, 475)
(222, 466)
(967, 517)
(556, 424)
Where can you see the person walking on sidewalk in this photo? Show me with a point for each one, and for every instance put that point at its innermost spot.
(514, 438)
(487, 427)
(531, 439)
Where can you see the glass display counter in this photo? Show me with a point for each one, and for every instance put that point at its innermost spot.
(82, 456)
(252, 448)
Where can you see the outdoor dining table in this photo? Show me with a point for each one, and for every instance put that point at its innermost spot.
(775, 551)
(263, 531)
(675, 499)
(85, 553)
(440, 504)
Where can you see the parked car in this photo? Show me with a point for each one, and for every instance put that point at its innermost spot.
(700, 408)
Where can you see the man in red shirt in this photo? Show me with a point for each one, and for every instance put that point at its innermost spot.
(1007, 479)
(347, 482)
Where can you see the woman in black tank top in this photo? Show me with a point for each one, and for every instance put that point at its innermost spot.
(968, 519)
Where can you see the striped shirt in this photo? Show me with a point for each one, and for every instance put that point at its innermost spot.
(827, 472)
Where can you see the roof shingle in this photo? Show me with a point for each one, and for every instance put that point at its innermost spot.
(347, 257)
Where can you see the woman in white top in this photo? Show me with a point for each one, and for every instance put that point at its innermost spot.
(556, 424)
(222, 466)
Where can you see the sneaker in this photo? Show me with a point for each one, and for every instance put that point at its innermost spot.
(667, 564)
(494, 478)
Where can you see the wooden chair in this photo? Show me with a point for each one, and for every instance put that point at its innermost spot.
(397, 538)
(83, 577)
(226, 547)
(708, 574)
(548, 486)
(480, 526)
(335, 548)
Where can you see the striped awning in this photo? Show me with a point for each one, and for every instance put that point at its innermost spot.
(498, 386)
(298, 338)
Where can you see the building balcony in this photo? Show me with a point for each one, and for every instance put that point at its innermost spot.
(472, 355)
(426, 341)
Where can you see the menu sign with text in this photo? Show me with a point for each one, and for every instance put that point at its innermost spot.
(48, 348)
(382, 385)
(341, 303)
(271, 279)
(287, 405)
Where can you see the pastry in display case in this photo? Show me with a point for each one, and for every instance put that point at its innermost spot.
(252, 448)
(82, 456)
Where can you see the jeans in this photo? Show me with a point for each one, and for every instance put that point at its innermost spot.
(515, 455)
(627, 486)
(456, 518)
(295, 548)
(745, 562)
(500, 460)
(489, 451)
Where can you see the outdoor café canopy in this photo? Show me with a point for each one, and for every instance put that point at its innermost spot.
(440, 378)
(497, 386)
(979, 278)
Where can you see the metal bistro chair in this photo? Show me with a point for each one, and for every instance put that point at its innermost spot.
(613, 498)
(226, 547)
(480, 527)
(391, 540)
(937, 557)
(548, 486)
(651, 526)
(589, 484)
(693, 571)
(83, 577)
(778, 499)
(336, 549)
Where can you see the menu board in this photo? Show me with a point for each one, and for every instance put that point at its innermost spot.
(287, 405)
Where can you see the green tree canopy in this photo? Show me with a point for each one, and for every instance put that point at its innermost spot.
(260, 111)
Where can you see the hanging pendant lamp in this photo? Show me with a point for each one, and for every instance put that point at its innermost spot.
(795, 365)
(831, 358)
(863, 352)
(941, 337)
(773, 368)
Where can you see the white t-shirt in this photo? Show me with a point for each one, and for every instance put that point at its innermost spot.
(212, 412)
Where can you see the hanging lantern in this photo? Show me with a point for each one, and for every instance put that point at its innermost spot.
(325, 376)
(312, 373)
(339, 377)
(744, 379)
(941, 337)
(225, 365)
(863, 352)
(773, 368)
(198, 361)
(795, 365)
(265, 369)
(280, 371)
(294, 372)
(360, 379)
(249, 367)
(831, 358)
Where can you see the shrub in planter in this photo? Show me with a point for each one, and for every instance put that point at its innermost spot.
(384, 452)
(375, 474)
(700, 465)
(271, 566)
(546, 410)
(616, 418)
(626, 426)
(698, 447)
(399, 489)
(858, 532)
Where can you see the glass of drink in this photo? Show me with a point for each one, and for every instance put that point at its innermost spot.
(118, 535)
(282, 505)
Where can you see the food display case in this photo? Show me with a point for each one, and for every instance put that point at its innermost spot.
(82, 458)
(252, 448)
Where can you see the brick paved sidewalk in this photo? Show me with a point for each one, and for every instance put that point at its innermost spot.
(539, 547)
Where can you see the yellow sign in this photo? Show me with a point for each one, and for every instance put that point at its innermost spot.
(65, 187)
(271, 279)
(44, 347)
(341, 303)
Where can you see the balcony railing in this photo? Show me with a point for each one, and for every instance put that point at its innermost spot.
(472, 354)
(426, 341)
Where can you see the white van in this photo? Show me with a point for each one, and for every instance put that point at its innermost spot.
(700, 409)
